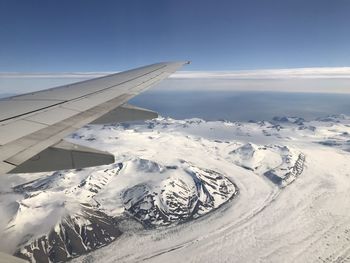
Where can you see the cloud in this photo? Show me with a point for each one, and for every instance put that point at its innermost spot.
(48, 75)
(296, 73)
(293, 73)
(325, 80)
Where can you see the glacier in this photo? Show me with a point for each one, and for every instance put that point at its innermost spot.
(202, 191)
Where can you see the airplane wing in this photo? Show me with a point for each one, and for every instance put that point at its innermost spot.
(32, 126)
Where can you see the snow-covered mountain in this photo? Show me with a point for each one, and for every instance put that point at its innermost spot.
(235, 191)
(165, 195)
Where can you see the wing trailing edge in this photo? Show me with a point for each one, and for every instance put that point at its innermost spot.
(62, 156)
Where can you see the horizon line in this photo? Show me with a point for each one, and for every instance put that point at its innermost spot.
(273, 73)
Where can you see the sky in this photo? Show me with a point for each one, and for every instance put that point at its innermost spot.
(87, 35)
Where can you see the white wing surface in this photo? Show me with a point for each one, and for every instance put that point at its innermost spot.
(32, 126)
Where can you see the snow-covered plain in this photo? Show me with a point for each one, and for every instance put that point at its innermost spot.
(192, 191)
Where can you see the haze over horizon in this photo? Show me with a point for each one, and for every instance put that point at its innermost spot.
(306, 80)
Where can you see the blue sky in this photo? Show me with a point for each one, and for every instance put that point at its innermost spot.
(84, 35)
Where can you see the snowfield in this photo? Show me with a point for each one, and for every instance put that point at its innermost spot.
(190, 191)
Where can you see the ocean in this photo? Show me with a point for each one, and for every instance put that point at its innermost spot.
(242, 106)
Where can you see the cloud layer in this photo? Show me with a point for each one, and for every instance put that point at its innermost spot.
(293, 73)
(296, 73)
(329, 80)
(48, 75)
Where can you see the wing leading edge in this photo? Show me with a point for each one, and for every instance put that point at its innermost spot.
(33, 125)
